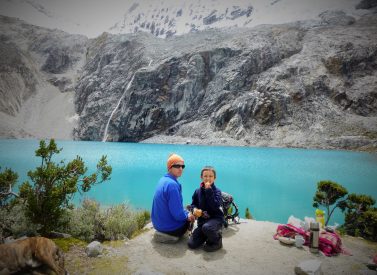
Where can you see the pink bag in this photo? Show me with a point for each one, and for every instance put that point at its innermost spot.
(329, 243)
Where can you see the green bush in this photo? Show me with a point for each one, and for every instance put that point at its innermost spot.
(90, 221)
(119, 222)
(8, 179)
(361, 217)
(142, 218)
(14, 222)
(54, 184)
(85, 221)
(368, 224)
(248, 214)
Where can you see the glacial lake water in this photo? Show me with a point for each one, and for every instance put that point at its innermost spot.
(273, 183)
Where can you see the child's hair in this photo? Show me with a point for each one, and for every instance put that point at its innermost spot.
(208, 168)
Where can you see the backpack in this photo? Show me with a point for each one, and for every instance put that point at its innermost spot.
(230, 209)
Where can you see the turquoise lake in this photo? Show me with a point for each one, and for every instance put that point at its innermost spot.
(273, 183)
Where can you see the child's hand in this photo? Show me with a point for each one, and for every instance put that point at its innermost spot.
(197, 212)
(207, 185)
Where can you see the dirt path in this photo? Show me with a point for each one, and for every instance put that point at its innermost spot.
(248, 249)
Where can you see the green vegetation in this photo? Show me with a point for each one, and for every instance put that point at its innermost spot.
(330, 193)
(98, 265)
(361, 216)
(90, 222)
(55, 184)
(248, 214)
(44, 205)
(8, 179)
(66, 243)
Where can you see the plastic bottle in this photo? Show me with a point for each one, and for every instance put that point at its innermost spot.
(314, 237)
(320, 217)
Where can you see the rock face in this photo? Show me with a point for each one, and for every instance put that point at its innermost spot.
(28, 51)
(305, 84)
(36, 65)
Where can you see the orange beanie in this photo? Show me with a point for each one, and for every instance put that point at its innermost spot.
(173, 158)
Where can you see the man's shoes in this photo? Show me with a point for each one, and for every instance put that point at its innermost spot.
(211, 247)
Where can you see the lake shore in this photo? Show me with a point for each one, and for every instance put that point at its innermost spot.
(248, 248)
(297, 142)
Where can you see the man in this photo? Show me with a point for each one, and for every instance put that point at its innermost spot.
(168, 213)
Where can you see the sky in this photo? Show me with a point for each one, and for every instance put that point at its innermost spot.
(89, 17)
(93, 17)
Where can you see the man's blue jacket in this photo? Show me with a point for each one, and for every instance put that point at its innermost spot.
(168, 213)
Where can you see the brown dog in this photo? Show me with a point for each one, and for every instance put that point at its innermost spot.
(35, 255)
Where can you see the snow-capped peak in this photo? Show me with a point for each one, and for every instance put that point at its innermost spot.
(165, 17)
(169, 17)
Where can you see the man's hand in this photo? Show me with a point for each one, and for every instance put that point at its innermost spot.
(191, 217)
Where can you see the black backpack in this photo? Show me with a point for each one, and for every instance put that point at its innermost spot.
(230, 209)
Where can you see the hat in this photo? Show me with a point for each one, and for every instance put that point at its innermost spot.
(173, 158)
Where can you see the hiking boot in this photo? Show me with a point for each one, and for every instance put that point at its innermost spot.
(211, 247)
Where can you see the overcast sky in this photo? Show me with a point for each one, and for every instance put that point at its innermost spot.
(92, 17)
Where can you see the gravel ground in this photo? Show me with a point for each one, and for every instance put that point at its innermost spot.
(248, 248)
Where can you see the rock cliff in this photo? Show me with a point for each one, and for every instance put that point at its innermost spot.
(309, 83)
(303, 84)
(37, 65)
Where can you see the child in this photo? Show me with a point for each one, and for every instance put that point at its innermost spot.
(207, 200)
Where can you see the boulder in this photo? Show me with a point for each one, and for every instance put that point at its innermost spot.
(94, 249)
(310, 267)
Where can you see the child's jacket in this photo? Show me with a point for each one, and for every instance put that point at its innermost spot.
(209, 200)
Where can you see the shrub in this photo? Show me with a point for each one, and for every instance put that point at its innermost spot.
(8, 179)
(361, 217)
(86, 221)
(142, 218)
(54, 185)
(91, 222)
(12, 210)
(248, 214)
(14, 222)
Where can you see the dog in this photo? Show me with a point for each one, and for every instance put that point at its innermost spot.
(34, 255)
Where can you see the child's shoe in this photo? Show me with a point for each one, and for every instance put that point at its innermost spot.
(211, 247)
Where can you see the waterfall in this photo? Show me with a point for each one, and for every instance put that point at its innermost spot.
(116, 107)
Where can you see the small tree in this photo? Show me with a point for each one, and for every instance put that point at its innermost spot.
(54, 185)
(8, 179)
(361, 217)
(330, 193)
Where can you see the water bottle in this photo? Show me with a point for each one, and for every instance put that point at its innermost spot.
(314, 237)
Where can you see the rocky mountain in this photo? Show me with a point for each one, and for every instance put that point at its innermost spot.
(38, 71)
(304, 84)
(309, 83)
